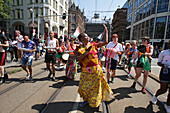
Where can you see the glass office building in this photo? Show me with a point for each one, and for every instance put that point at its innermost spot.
(149, 18)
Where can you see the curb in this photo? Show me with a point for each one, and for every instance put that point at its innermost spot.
(17, 68)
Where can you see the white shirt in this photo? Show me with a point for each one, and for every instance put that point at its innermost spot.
(118, 48)
(163, 56)
(52, 43)
(19, 45)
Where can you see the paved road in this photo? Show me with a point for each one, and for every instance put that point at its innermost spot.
(31, 97)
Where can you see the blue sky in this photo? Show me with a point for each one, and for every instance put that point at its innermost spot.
(101, 5)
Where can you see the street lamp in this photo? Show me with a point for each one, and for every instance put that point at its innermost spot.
(32, 10)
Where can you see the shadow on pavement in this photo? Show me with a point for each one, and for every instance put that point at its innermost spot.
(148, 109)
(123, 92)
(64, 107)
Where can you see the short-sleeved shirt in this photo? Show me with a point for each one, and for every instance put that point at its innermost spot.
(37, 41)
(28, 45)
(163, 56)
(19, 45)
(118, 48)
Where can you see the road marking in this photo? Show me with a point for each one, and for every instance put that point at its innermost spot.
(76, 104)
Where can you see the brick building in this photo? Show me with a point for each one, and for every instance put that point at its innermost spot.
(119, 23)
(75, 19)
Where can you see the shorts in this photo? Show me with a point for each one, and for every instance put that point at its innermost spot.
(50, 57)
(60, 54)
(26, 60)
(164, 77)
(113, 64)
(2, 58)
(38, 49)
(130, 63)
(140, 65)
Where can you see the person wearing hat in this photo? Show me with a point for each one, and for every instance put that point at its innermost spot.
(113, 50)
(164, 76)
(71, 66)
(143, 54)
(27, 57)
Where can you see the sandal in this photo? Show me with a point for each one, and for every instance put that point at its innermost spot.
(82, 104)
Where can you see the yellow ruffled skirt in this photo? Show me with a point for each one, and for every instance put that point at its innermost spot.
(93, 86)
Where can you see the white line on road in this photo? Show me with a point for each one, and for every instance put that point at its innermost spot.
(75, 106)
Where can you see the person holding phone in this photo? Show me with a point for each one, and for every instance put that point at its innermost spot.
(93, 87)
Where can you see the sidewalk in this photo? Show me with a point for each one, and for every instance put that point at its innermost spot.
(14, 67)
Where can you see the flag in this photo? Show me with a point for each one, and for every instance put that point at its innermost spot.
(76, 33)
(100, 36)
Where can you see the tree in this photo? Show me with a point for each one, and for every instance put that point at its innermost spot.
(5, 9)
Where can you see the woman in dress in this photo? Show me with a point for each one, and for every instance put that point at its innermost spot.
(71, 68)
(93, 87)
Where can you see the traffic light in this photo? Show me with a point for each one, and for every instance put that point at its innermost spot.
(64, 16)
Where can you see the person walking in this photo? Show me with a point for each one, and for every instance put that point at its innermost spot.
(164, 76)
(143, 54)
(37, 42)
(113, 50)
(3, 43)
(28, 47)
(19, 39)
(50, 55)
(130, 53)
(71, 66)
(93, 87)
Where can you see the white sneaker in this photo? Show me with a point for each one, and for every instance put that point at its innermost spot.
(154, 99)
(28, 76)
(167, 108)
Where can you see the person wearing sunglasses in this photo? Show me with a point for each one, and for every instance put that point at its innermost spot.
(143, 54)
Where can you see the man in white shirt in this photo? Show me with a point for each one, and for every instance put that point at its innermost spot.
(112, 60)
(19, 39)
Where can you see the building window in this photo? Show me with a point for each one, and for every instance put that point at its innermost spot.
(130, 7)
(151, 26)
(21, 2)
(149, 8)
(162, 6)
(41, 1)
(54, 16)
(61, 10)
(168, 29)
(17, 14)
(41, 11)
(46, 1)
(13, 11)
(160, 27)
(153, 6)
(56, 6)
(141, 12)
(46, 11)
(22, 14)
(135, 16)
(35, 12)
(144, 10)
(30, 1)
(73, 27)
(66, 5)
(129, 19)
(36, 1)
(73, 17)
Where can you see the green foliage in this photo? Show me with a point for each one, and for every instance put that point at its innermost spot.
(5, 9)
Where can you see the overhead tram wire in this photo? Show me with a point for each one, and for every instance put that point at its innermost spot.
(110, 6)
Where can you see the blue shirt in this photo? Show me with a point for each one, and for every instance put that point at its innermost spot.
(28, 45)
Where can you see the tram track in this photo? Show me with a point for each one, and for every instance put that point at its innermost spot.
(22, 80)
(149, 91)
(52, 97)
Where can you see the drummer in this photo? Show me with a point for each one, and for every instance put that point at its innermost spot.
(71, 67)
(60, 52)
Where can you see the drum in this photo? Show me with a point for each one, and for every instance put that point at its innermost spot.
(65, 56)
(103, 59)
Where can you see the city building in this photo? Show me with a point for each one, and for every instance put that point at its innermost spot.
(76, 19)
(119, 23)
(27, 14)
(94, 29)
(149, 18)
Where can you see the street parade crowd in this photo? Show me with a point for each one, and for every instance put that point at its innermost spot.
(93, 57)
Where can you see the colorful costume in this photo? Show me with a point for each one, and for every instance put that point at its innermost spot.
(143, 60)
(131, 53)
(71, 68)
(93, 86)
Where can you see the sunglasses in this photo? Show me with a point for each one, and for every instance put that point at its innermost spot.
(144, 40)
